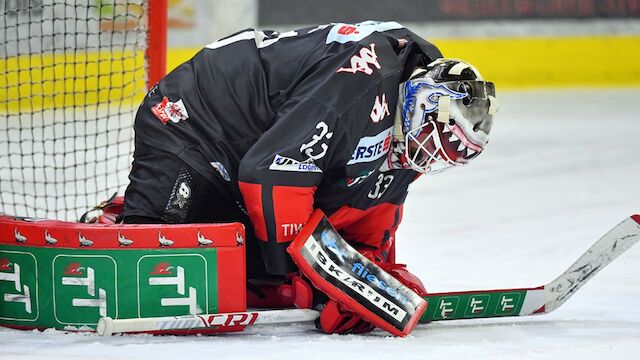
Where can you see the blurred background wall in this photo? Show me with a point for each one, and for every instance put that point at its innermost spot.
(515, 43)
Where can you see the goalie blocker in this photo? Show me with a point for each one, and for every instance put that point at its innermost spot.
(349, 278)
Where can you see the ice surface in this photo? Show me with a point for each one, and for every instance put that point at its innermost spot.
(561, 169)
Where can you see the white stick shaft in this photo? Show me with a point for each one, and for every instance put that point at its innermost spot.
(108, 326)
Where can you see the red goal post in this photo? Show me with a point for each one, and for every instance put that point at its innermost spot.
(157, 41)
(72, 73)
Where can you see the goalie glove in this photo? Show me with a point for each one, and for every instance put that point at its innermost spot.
(354, 283)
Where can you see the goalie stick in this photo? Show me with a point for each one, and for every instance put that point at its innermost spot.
(441, 306)
(185, 323)
(536, 300)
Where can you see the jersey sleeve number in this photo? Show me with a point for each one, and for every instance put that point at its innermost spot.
(381, 186)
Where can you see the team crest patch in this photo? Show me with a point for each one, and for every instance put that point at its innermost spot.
(168, 110)
(180, 200)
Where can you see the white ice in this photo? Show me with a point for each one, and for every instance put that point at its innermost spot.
(561, 169)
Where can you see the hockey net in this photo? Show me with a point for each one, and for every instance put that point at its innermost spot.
(72, 73)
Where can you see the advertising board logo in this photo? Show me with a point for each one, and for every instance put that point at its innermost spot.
(49, 239)
(18, 236)
(446, 307)
(477, 305)
(508, 303)
(123, 241)
(371, 148)
(203, 241)
(18, 286)
(84, 241)
(172, 285)
(84, 288)
(5, 265)
(74, 269)
(163, 241)
(162, 268)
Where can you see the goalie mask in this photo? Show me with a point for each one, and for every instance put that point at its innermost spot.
(445, 116)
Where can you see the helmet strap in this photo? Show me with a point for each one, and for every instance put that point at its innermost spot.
(397, 127)
(493, 105)
(444, 108)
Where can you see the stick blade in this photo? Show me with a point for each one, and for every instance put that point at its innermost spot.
(604, 251)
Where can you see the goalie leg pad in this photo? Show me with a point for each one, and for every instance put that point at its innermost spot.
(352, 280)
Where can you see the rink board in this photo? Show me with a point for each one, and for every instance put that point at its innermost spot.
(66, 275)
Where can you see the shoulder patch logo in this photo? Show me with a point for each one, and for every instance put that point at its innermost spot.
(167, 110)
(363, 61)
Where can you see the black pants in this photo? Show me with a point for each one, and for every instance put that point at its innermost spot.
(164, 189)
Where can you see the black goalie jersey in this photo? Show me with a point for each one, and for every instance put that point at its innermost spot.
(295, 121)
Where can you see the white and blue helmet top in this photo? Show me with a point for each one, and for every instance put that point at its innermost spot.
(445, 115)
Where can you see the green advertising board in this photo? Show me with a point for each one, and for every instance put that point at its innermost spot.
(71, 289)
